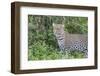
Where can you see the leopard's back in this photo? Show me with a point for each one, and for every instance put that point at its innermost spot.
(76, 42)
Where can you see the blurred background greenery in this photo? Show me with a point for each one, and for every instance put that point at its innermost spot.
(42, 44)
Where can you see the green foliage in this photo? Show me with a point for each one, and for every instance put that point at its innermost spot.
(42, 44)
(76, 54)
(76, 25)
(41, 51)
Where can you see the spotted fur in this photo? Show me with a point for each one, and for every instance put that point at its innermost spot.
(68, 41)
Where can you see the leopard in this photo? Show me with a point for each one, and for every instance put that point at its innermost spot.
(70, 42)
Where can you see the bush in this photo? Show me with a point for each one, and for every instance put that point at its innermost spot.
(42, 51)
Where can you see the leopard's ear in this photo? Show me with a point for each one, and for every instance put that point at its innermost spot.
(53, 24)
(63, 25)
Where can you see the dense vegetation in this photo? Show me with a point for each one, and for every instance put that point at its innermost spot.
(42, 44)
